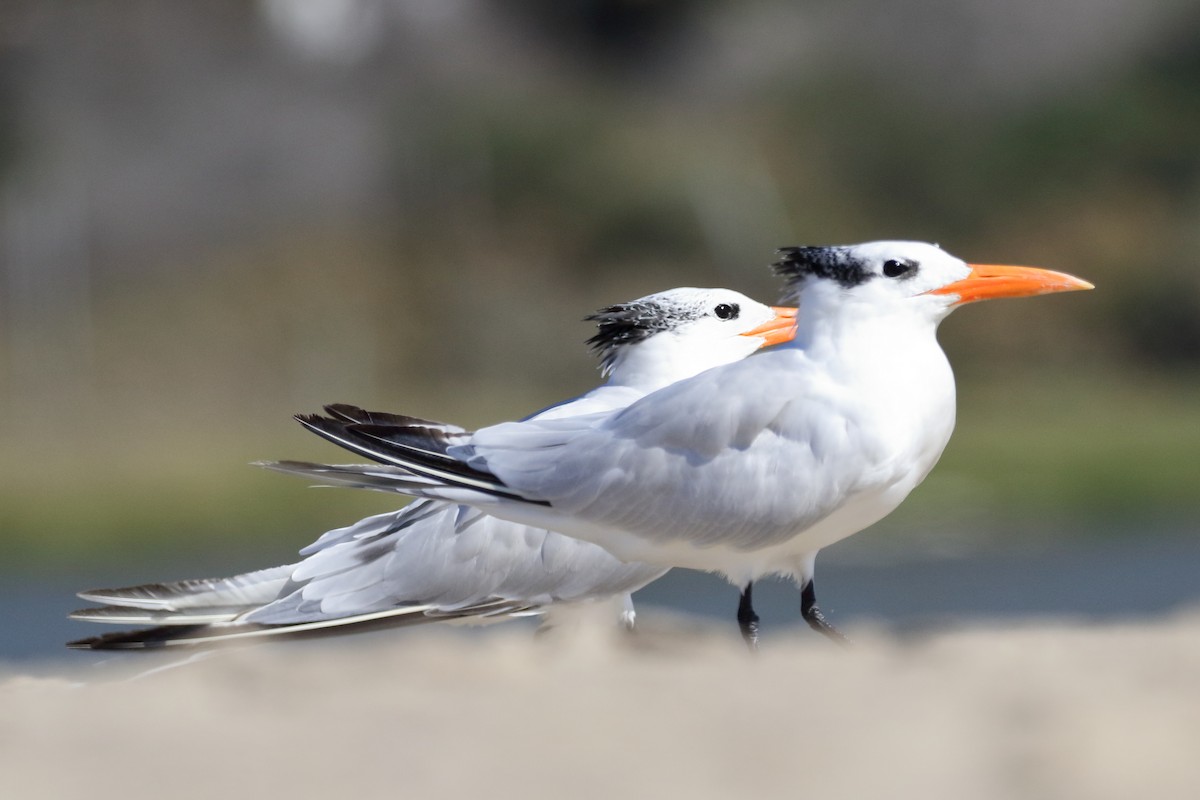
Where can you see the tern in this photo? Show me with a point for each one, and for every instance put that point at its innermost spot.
(437, 561)
(748, 469)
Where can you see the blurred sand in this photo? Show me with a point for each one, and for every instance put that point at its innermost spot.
(1046, 710)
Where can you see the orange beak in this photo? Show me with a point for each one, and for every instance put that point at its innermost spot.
(989, 281)
(777, 330)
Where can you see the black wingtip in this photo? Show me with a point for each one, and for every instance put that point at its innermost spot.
(314, 423)
(122, 640)
(347, 412)
(104, 642)
(325, 427)
(412, 444)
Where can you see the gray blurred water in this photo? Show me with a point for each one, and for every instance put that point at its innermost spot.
(1090, 580)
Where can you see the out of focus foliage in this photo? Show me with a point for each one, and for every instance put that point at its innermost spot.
(215, 214)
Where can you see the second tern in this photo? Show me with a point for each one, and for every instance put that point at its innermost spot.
(437, 561)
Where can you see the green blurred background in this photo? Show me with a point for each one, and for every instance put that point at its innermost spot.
(214, 215)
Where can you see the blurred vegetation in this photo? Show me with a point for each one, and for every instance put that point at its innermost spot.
(556, 157)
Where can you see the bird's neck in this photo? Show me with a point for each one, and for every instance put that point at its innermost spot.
(660, 361)
(886, 355)
(893, 372)
(867, 337)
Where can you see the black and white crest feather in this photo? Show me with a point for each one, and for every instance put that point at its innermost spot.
(629, 323)
(830, 263)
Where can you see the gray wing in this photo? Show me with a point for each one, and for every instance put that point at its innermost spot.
(744, 456)
(449, 559)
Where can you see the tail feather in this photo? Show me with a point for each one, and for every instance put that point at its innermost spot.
(363, 431)
(391, 445)
(353, 414)
(414, 459)
(422, 451)
(247, 589)
(380, 478)
(406, 447)
(340, 434)
(428, 442)
(121, 615)
(231, 633)
(148, 639)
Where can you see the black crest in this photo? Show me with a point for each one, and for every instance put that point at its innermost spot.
(629, 323)
(830, 263)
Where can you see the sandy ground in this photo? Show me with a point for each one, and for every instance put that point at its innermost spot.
(1046, 710)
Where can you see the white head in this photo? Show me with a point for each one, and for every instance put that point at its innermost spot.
(669, 336)
(919, 279)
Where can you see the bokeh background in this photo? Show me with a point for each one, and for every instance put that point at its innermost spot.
(214, 215)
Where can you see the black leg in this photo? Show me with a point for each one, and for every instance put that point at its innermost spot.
(813, 616)
(747, 619)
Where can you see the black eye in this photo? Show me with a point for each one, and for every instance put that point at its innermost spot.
(727, 311)
(894, 268)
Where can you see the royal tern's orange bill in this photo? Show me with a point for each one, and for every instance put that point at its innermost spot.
(990, 281)
(780, 329)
